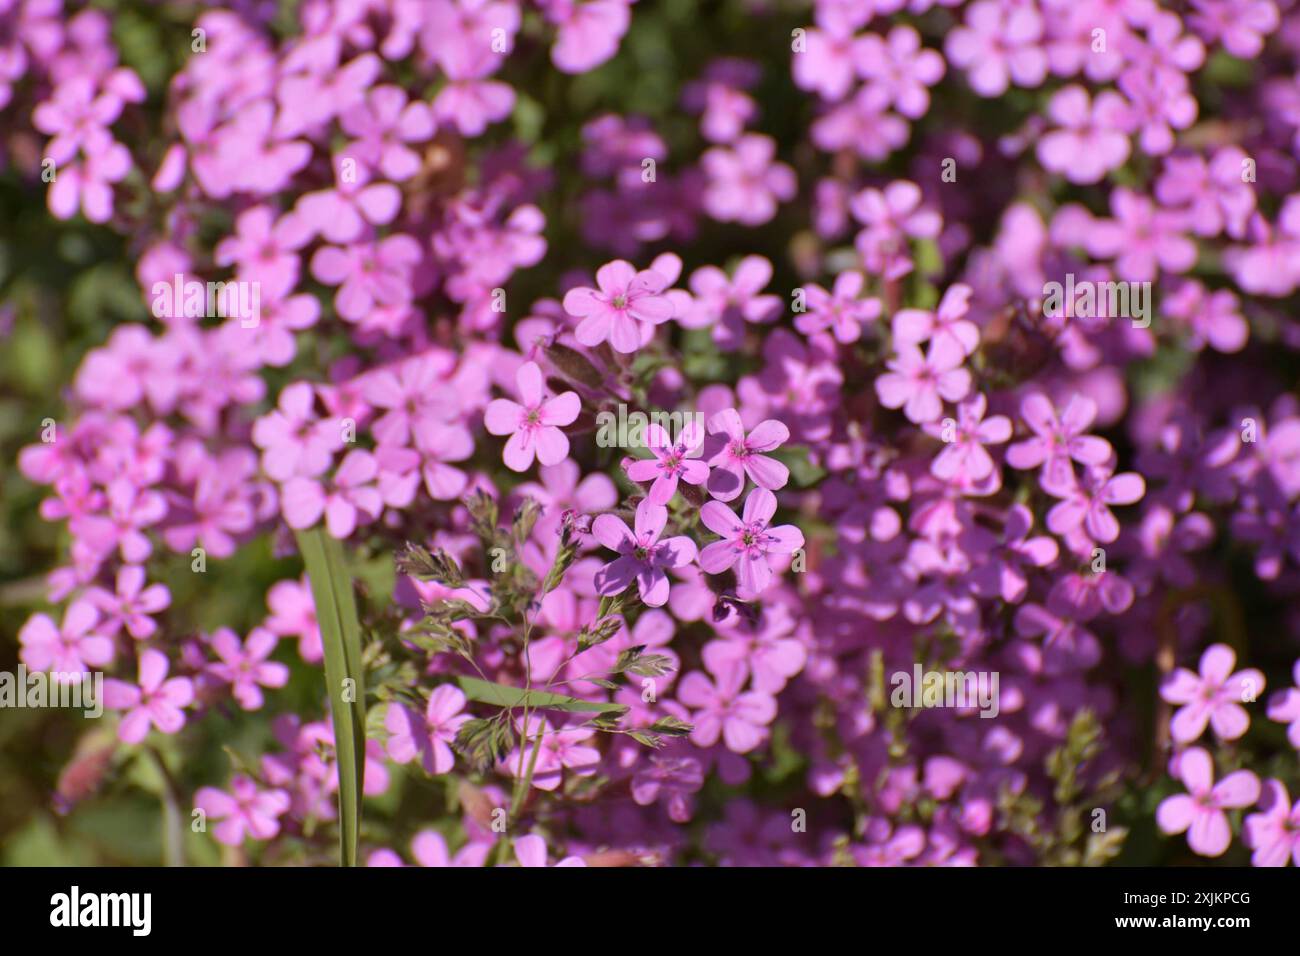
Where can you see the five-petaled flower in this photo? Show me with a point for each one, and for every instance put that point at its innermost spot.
(671, 461)
(642, 556)
(534, 426)
(747, 541)
(1200, 811)
(624, 310)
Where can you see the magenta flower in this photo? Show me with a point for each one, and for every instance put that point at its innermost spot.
(69, 649)
(530, 851)
(672, 779)
(351, 496)
(964, 458)
(998, 45)
(671, 461)
(87, 184)
(429, 849)
(1274, 833)
(1143, 238)
(293, 614)
(624, 310)
(430, 737)
(1093, 138)
(745, 184)
(245, 666)
(247, 811)
(132, 603)
(588, 32)
(642, 556)
(156, 702)
(1087, 506)
(1058, 440)
(1199, 812)
(381, 129)
(533, 427)
(1215, 696)
(901, 66)
(947, 323)
(840, 310)
(368, 274)
(264, 249)
(742, 455)
(719, 709)
(747, 540)
(1285, 707)
(919, 383)
(293, 440)
(562, 748)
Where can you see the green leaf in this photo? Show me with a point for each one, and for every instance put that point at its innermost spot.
(336, 612)
(503, 696)
(802, 470)
(671, 726)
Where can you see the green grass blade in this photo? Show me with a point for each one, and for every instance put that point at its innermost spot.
(336, 612)
(505, 696)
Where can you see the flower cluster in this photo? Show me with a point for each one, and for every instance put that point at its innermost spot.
(940, 338)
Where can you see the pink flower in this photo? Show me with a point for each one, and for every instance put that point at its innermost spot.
(998, 45)
(947, 323)
(900, 65)
(533, 427)
(86, 184)
(840, 310)
(1058, 440)
(1093, 139)
(351, 494)
(719, 709)
(293, 440)
(368, 274)
(742, 455)
(429, 849)
(642, 556)
(156, 701)
(670, 462)
(530, 851)
(293, 614)
(1274, 834)
(672, 779)
(71, 648)
(964, 458)
(1087, 506)
(381, 128)
(1285, 707)
(245, 811)
(919, 383)
(625, 309)
(1214, 697)
(429, 738)
(748, 540)
(588, 33)
(745, 184)
(561, 748)
(265, 250)
(1200, 810)
(132, 603)
(245, 666)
